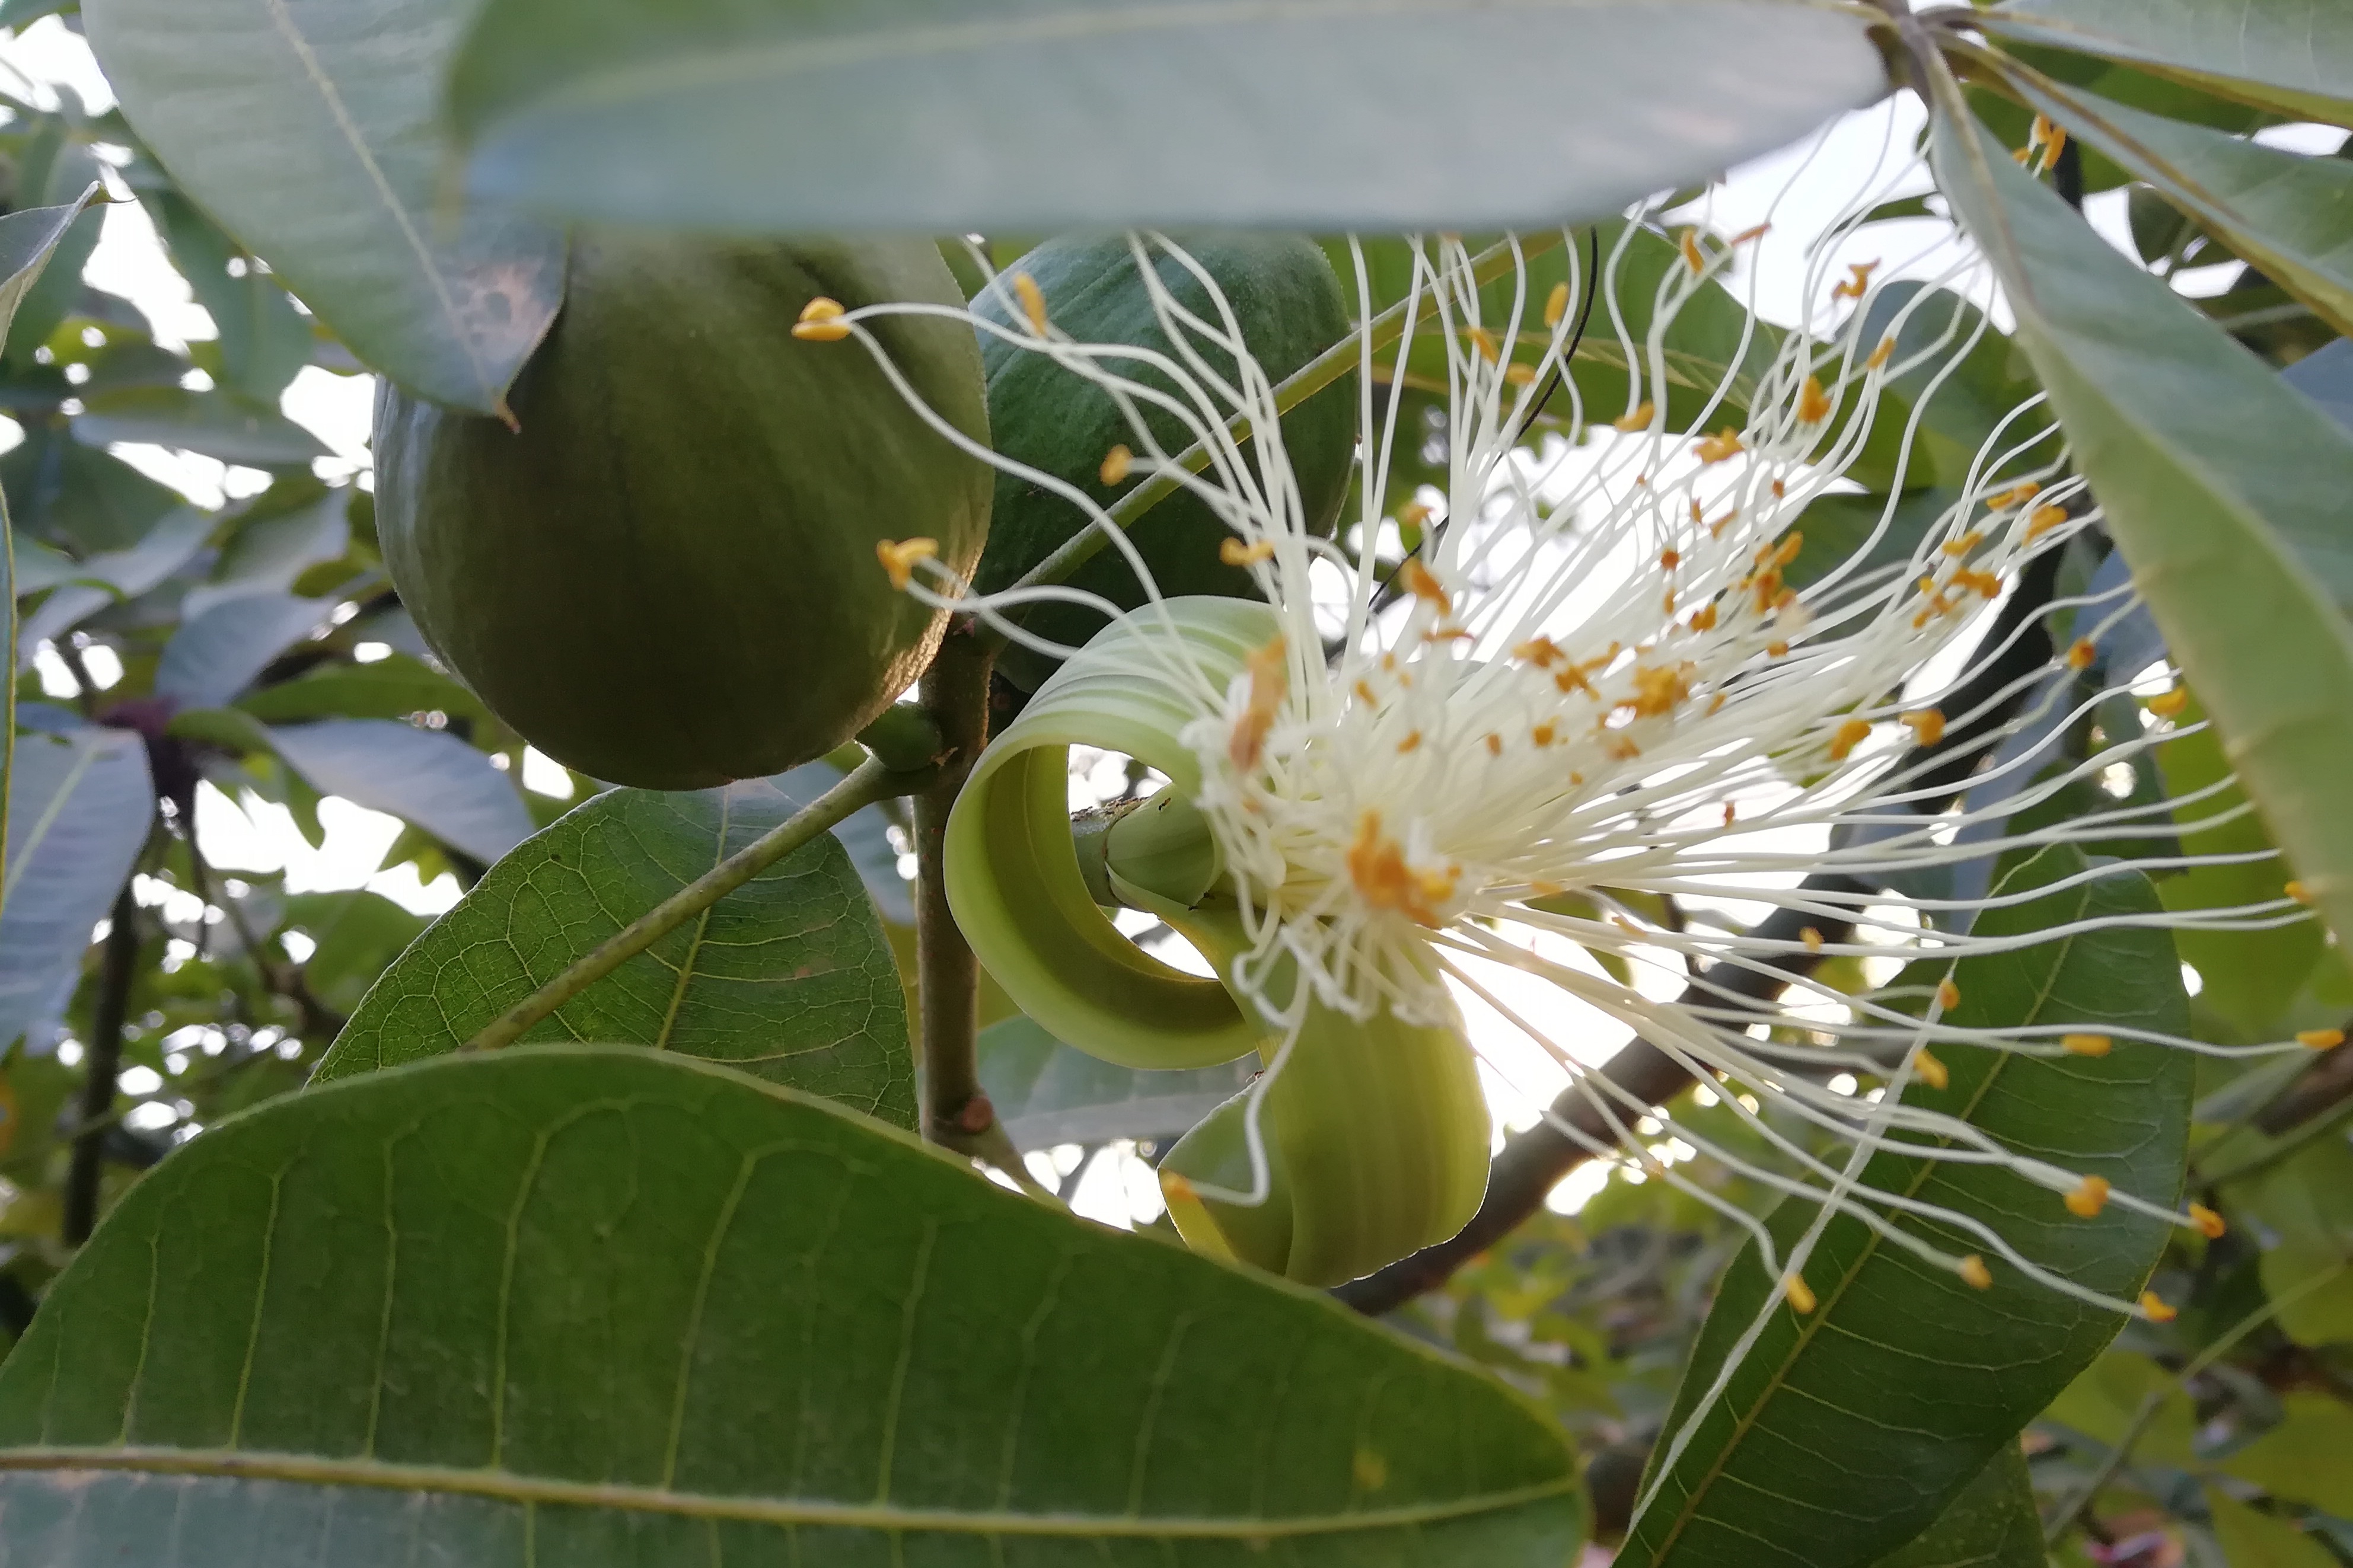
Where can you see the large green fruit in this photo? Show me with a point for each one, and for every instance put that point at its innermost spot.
(665, 576)
(1289, 304)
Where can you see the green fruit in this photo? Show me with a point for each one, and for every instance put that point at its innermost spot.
(665, 575)
(1289, 304)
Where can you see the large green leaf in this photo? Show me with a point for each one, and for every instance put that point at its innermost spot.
(309, 129)
(1993, 1524)
(2252, 1540)
(2223, 487)
(2251, 977)
(1032, 115)
(1844, 1432)
(211, 422)
(586, 1306)
(27, 240)
(1046, 1092)
(788, 977)
(2290, 215)
(79, 806)
(2294, 56)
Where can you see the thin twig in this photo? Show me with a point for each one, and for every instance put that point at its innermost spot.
(957, 1114)
(103, 1065)
(869, 782)
(1296, 388)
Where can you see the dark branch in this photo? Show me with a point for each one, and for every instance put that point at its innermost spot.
(103, 1058)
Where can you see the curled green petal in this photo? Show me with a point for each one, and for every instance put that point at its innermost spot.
(1377, 1139)
(1013, 876)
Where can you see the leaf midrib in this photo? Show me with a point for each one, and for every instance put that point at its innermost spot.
(1815, 1322)
(501, 1486)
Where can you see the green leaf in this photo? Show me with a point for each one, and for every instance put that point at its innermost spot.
(78, 810)
(2249, 978)
(211, 423)
(27, 240)
(2305, 1204)
(356, 935)
(310, 129)
(788, 977)
(1845, 1432)
(2289, 215)
(2293, 56)
(1036, 115)
(393, 687)
(2223, 487)
(2104, 1404)
(86, 500)
(216, 651)
(1046, 1092)
(1993, 1524)
(264, 340)
(429, 777)
(2252, 1540)
(2307, 1458)
(588, 1306)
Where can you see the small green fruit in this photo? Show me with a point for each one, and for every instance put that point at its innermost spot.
(665, 576)
(1289, 304)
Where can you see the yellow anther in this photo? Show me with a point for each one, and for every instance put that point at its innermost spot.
(1809, 936)
(1520, 374)
(1926, 725)
(2082, 655)
(1671, 559)
(1932, 1071)
(1658, 693)
(1747, 234)
(2086, 1044)
(1731, 813)
(2090, 1197)
(1033, 301)
(1948, 995)
(2156, 1308)
(1116, 464)
(821, 321)
(1423, 584)
(1270, 683)
(1814, 405)
(1851, 734)
(2298, 892)
(1858, 280)
(1781, 650)
(1704, 619)
(2320, 1039)
(1722, 446)
(1619, 749)
(1667, 605)
(1234, 553)
(1413, 514)
(1544, 734)
(2169, 704)
(1974, 1274)
(1485, 342)
(1494, 744)
(2020, 155)
(2043, 520)
(1956, 548)
(1538, 651)
(1688, 243)
(2210, 1225)
(1378, 868)
(1801, 1296)
(1638, 420)
(1411, 743)
(1555, 308)
(899, 557)
(1365, 692)
(2013, 498)
(1881, 355)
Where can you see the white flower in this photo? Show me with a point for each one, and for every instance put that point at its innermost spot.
(1595, 693)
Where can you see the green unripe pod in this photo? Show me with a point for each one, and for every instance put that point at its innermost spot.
(665, 576)
(1291, 307)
